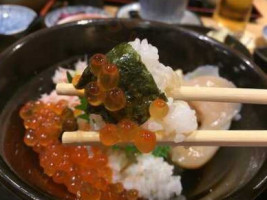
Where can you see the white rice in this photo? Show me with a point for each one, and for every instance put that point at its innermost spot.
(180, 121)
(80, 66)
(164, 76)
(60, 75)
(177, 124)
(151, 176)
(117, 160)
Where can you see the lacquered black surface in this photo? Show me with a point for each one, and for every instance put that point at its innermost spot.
(234, 173)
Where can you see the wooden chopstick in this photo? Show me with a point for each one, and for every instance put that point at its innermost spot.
(215, 94)
(47, 7)
(68, 89)
(196, 138)
(230, 95)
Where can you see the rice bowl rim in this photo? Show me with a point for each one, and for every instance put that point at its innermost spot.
(12, 48)
(10, 180)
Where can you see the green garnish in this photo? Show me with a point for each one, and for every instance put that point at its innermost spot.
(69, 77)
(83, 104)
(130, 150)
(115, 147)
(161, 151)
(84, 116)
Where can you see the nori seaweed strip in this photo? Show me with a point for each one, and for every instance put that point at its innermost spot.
(86, 77)
(136, 81)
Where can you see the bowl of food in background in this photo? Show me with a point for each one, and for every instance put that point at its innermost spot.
(15, 19)
(30, 68)
(36, 5)
(15, 22)
(73, 13)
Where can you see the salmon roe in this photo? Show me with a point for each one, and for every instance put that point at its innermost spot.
(145, 141)
(109, 76)
(115, 99)
(83, 170)
(94, 94)
(128, 131)
(97, 62)
(158, 109)
(108, 135)
(105, 88)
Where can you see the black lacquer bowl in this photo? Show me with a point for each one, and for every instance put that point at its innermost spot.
(25, 72)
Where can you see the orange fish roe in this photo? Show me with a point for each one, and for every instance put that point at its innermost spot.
(115, 99)
(95, 95)
(108, 135)
(109, 76)
(145, 141)
(158, 109)
(105, 89)
(83, 170)
(97, 62)
(127, 131)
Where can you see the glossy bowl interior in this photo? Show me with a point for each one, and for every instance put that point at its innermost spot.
(25, 73)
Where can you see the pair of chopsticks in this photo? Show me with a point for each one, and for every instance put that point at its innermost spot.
(198, 137)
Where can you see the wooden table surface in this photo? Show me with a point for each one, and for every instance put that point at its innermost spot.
(254, 29)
